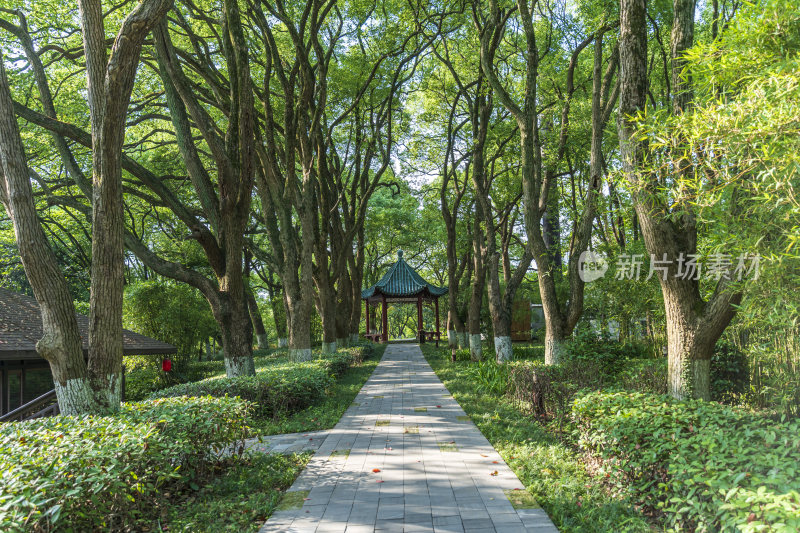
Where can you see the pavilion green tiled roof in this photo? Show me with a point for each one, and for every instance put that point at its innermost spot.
(402, 281)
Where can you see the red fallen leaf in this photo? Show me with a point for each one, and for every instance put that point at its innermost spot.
(306, 499)
(376, 470)
(493, 473)
(484, 455)
(379, 481)
(439, 406)
(495, 462)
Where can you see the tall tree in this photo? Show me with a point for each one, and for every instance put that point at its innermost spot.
(233, 155)
(670, 230)
(538, 173)
(95, 386)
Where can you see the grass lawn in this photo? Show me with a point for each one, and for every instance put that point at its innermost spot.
(326, 414)
(240, 499)
(551, 470)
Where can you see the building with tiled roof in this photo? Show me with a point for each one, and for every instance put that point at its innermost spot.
(24, 375)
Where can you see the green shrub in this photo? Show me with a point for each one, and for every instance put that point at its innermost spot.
(274, 391)
(279, 387)
(339, 362)
(104, 472)
(705, 466)
(611, 355)
(645, 375)
(172, 312)
(143, 374)
(547, 391)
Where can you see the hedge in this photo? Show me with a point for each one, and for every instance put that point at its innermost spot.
(104, 472)
(278, 389)
(705, 466)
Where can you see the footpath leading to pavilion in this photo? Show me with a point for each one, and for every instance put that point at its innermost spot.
(405, 457)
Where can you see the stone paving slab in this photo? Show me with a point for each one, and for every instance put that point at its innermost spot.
(287, 443)
(426, 469)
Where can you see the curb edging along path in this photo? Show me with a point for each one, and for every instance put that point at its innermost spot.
(405, 457)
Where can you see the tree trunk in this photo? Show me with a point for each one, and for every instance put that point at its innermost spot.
(258, 322)
(476, 295)
(554, 339)
(96, 388)
(327, 311)
(693, 324)
(233, 316)
(278, 306)
(60, 344)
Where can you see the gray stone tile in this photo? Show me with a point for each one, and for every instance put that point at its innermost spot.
(420, 485)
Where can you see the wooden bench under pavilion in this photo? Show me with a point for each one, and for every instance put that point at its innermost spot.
(402, 284)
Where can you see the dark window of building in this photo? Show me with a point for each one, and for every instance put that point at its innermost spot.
(37, 382)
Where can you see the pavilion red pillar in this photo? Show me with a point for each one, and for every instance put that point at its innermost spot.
(436, 304)
(366, 308)
(419, 319)
(384, 319)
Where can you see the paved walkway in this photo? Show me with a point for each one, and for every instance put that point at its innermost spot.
(405, 457)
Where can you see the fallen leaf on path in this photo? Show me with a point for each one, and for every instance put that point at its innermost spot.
(376, 470)
(493, 473)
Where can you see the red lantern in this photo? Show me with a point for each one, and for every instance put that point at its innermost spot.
(166, 365)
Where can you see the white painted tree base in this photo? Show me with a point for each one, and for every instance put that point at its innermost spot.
(344, 342)
(262, 340)
(463, 340)
(354, 338)
(299, 354)
(553, 350)
(502, 349)
(452, 340)
(475, 350)
(689, 378)
(240, 366)
(329, 347)
(75, 397)
(283, 342)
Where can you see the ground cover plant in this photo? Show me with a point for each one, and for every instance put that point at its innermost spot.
(280, 386)
(239, 499)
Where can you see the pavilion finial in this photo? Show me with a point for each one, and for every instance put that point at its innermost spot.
(399, 254)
